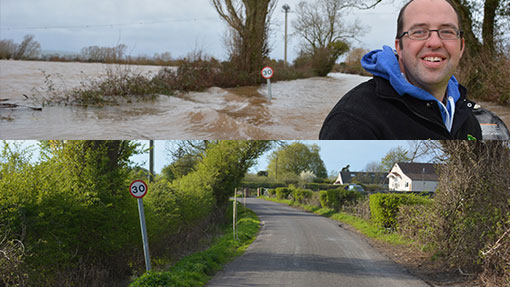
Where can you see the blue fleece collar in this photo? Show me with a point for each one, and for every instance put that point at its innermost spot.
(384, 63)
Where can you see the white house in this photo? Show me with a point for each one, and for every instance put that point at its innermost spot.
(415, 177)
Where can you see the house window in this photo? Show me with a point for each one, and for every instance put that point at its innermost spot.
(407, 184)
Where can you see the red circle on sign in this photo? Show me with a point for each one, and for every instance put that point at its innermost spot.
(135, 188)
(267, 72)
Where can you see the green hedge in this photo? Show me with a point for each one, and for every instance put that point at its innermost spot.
(336, 198)
(70, 211)
(301, 195)
(283, 192)
(319, 186)
(384, 207)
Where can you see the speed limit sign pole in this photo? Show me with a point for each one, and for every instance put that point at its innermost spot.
(138, 189)
(267, 73)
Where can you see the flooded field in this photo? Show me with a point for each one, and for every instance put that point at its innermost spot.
(296, 111)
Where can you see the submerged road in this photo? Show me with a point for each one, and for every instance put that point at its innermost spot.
(295, 248)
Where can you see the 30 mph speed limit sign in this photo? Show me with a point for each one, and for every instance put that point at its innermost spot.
(138, 188)
(267, 72)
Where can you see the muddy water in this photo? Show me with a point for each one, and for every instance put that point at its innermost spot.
(296, 110)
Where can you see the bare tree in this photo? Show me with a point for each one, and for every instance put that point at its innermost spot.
(483, 18)
(325, 35)
(320, 24)
(418, 150)
(7, 49)
(103, 54)
(249, 21)
(374, 166)
(28, 48)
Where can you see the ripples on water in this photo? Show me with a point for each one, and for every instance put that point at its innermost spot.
(296, 111)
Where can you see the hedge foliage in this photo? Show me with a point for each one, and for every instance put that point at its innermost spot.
(72, 211)
(283, 192)
(384, 207)
(337, 198)
(319, 186)
(301, 196)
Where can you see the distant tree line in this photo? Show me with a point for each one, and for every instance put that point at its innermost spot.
(27, 49)
(103, 54)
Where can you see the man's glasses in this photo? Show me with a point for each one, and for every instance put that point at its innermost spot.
(424, 34)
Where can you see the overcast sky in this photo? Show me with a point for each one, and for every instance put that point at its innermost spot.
(157, 26)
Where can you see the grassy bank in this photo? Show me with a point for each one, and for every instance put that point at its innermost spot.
(198, 268)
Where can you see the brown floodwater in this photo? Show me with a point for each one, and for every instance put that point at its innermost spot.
(296, 111)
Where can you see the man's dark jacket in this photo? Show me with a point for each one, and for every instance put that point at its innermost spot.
(374, 110)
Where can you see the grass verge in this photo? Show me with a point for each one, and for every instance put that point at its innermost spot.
(198, 268)
(363, 226)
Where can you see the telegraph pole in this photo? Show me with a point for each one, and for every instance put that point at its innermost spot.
(151, 160)
(286, 7)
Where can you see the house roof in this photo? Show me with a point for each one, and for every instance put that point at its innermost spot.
(420, 171)
(363, 177)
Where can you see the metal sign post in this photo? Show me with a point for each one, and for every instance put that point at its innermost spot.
(234, 215)
(244, 199)
(267, 73)
(138, 189)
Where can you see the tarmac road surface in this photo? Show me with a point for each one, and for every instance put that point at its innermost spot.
(295, 248)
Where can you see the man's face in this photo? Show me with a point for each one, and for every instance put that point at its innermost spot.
(429, 63)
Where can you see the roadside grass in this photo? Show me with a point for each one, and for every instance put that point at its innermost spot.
(365, 227)
(198, 268)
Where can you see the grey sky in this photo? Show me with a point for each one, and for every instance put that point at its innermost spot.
(157, 26)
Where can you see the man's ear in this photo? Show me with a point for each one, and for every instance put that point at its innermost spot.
(397, 46)
(462, 46)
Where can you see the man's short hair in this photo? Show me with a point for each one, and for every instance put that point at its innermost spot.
(400, 20)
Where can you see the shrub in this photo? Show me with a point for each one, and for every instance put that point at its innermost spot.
(360, 208)
(195, 75)
(283, 192)
(486, 75)
(472, 203)
(301, 196)
(337, 198)
(415, 222)
(71, 218)
(319, 186)
(384, 207)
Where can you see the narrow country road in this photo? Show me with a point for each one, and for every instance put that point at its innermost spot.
(295, 248)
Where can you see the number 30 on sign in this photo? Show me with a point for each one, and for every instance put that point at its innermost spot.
(267, 72)
(138, 188)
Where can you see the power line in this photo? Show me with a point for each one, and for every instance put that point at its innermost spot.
(91, 26)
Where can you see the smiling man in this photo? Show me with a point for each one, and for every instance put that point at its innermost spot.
(413, 94)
